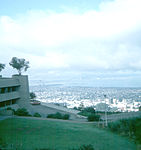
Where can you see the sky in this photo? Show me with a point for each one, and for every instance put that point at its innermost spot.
(76, 42)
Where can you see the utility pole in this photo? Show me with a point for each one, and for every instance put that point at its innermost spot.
(105, 112)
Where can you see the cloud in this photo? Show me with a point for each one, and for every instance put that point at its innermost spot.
(107, 39)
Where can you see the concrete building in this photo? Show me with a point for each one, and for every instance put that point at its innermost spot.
(14, 90)
(14, 93)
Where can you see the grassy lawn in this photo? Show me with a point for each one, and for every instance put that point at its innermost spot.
(33, 133)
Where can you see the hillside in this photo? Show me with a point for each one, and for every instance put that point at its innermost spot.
(24, 133)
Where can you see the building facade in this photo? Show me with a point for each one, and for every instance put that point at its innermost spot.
(14, 90)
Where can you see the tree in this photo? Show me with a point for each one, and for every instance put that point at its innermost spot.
(2, 66)
(32, 95)
(19, 64)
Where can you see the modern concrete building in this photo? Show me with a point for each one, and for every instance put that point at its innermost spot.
(14, 90)
(14, 93)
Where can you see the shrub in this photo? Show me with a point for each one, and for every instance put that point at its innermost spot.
(32, 95)
(137, 131)
(87, 111)
(36, 115)
(93, 117)
(59, 116)
(66, 117)
(55, 116)
(128, 127)
(51, 116)
(2, 143)
(114, 126)
(9, 108)
(84, 147)
(75, 108)
(21, 112)
(45, 149)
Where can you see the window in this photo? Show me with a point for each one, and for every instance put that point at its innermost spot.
(2, 90)
(7, 103)
(14, 88)
(14, 101)
(8, 89)
(2, 104)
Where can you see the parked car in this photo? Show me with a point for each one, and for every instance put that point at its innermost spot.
(35, 102)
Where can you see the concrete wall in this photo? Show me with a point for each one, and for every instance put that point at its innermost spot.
(24, 100)
(7, 82)
(21, 94)
(9, 96)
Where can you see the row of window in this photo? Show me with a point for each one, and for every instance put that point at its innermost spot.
(7, 103)
(8, 89)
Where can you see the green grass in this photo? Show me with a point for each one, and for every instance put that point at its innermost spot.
(35, 133)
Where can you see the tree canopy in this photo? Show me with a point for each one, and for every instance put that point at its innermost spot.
(19, 64)
(32, 95)
(2, 66)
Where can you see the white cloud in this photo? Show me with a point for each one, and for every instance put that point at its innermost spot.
(92, 40)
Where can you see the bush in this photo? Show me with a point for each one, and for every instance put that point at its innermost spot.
(2, 143)
(66, 117)
(114, 126)
(59, 116)
(36, 115)
(32, 95)
(128, 127)
(45, 149)
(87, 111)
(93, 117)
(84, 147)
(21, 112)
(75, 108)
(9, 108)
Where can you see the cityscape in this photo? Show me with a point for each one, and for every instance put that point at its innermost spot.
(109, 99)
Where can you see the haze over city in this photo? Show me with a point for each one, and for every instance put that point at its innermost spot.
(94, 43)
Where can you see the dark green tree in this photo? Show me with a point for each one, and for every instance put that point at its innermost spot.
(32, 95)
(19, 64)
(2, 66)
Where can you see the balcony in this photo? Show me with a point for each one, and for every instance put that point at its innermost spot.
(9, 96)
(8, 82)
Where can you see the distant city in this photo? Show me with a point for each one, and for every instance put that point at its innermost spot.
(109, 99)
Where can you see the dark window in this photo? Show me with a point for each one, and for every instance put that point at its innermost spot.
(14, 101)
(9, 89)
(2, 90)
(2, 104)
(14, 88)
(8, 102)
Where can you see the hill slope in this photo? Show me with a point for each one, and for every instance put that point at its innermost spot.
(34, 133)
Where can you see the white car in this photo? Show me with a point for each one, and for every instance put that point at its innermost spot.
(35, 102)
